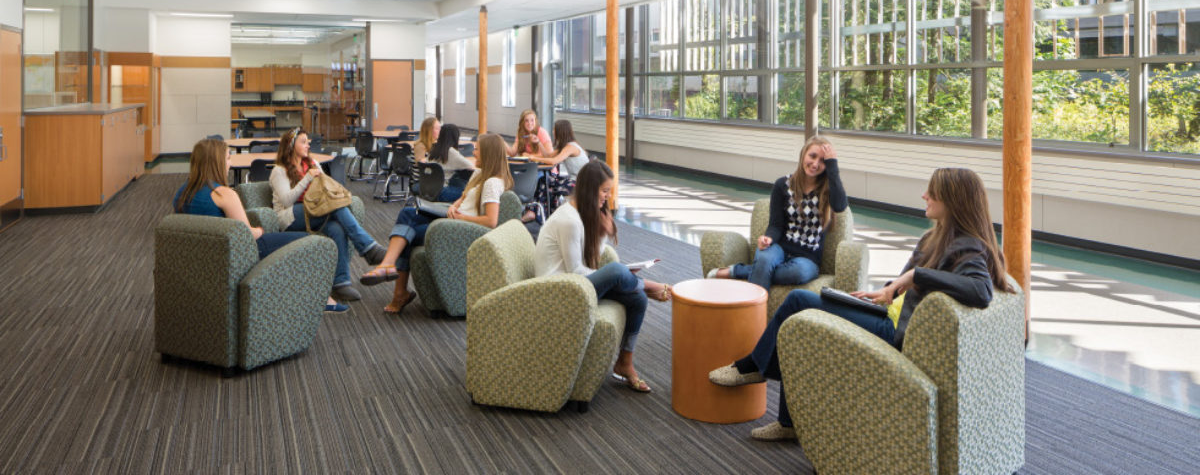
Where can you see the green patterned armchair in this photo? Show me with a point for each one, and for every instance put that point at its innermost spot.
(439, 270)
(952, 402)
(843, 262)
(256, 198)
(534, 342)
(216, 303)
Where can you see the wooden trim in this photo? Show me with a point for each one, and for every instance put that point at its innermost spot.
(131, 59)
(195, 61)
(525, 68)
(469, 72)
(157, 61)
(418, 65)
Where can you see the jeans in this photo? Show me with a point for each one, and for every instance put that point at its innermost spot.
(449, 193)
(772, 266)
(614, 281)
(767, 359)
(410, 225)
(340, 226)
(271, 242)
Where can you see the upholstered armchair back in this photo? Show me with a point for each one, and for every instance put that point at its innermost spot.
(502, 256)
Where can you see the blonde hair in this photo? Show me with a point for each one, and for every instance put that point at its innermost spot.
(522, 134)
(493, 163)
(426, 136)
(796, 183)
(207, 167)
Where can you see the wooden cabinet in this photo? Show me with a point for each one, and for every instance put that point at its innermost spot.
(258, 80)
(314, 82)
(285, 75)
(80, 156)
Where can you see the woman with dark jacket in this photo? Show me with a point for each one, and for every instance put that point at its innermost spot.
(958, 257)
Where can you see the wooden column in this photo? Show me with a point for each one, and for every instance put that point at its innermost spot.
(612, 92)
(1018, 142)
(481, 99)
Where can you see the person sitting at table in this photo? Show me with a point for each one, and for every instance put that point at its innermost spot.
(428, 136)
(959, 256)
(532, 140)
(568, 158)
(206, 193)
(293, 172)
(572, 240)
(480, 205)
(802, 207)
(445, 152)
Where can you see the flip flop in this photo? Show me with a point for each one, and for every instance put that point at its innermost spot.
(379, 275)
(635, 384)
(662, 295)
(387, 308)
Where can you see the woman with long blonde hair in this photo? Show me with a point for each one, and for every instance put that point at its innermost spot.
(206, 193)
(532, 140)
(430, 127)
(479, 204)
(958, 257)
(802, 207)
(294, 171)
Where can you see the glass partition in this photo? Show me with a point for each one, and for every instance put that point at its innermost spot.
(56, 52)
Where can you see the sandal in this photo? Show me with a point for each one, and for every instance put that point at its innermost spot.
(635, 384)
(389, 309)
(379, 275)
(662, 295)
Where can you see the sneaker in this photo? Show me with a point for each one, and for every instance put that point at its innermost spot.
(336, 308)
(729, 376)
(773, 432)
(346, 293)
(375, 254)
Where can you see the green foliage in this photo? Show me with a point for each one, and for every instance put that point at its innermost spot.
(944, 103)
(873, 100)
(705, 103)
(1174, 108)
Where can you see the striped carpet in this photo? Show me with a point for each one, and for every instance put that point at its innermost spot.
(83, 391)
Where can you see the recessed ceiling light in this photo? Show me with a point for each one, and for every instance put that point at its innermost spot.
(375, 20)
(37, 9)
(203, 15)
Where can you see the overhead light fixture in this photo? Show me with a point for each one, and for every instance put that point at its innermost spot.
(375, 20)
(38, 9)
(203, 15)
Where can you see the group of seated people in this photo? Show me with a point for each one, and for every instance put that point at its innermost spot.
(958, 256)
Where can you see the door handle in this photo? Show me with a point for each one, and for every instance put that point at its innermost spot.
(376, 110)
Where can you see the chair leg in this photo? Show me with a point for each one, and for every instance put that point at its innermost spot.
(582, 406)
(229, 372)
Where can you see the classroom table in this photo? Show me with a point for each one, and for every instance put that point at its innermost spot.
(238, 145)
(268, 118)
(239, 162)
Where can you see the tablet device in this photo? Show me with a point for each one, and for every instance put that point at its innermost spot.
(852, 301)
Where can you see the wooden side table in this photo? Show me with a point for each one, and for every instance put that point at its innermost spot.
(713, 322)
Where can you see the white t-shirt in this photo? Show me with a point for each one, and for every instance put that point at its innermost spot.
(492, 189)
(559, 247)
(571, 165)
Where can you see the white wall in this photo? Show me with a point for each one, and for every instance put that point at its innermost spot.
(396, 41)
(250, 56)
(41, 32)
(195, 101)
(124, 30)
(10, 13)
(1123, 201)
(500, 119)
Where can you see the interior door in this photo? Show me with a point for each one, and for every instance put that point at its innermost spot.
(391, 93)
(10, 127)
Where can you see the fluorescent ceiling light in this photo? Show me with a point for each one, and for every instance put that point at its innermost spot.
(204, 15)
(376, 20)
(36, 9)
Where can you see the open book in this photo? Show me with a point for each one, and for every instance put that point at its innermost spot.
(636, 266)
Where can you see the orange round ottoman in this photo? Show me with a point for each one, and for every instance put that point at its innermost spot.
(713, 322)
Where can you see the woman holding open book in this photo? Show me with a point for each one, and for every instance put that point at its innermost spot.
(959, 257)
(572, 241)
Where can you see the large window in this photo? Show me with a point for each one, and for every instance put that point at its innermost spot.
(1104, 76)
(460, 73)
(508, 71)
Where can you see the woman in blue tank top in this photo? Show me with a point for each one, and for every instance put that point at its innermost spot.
(207, 194)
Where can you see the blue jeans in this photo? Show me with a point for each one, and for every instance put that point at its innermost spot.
(614, 281)
(772, 266)
(271, 242)
(410, 225)
(344, 230)
(767, 359)
(448, 194)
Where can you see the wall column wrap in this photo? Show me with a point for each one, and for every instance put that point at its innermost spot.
(611, 93)
(482, 74)
(1018, 143)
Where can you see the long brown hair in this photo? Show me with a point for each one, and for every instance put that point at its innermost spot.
(287, 148)
(796, 182)
(587, 191)
(493, 162)
(522, 134)
(207, 167)
(962, 194)
(426, 136)
(563, 134)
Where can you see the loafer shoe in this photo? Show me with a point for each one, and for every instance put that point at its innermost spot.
(712, 273)
(773, 432)
(375, 254)
(346, 293)
(336, 308)
(729, 376)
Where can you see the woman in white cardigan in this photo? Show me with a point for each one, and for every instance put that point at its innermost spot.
(293, 172)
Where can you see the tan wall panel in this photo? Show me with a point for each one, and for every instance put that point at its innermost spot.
(195, 61)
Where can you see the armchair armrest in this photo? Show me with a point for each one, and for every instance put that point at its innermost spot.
(525, 341)
(849, 391)
(281, 300)
(850, 270)
(447, 242)
(722, 249)
(358, 209)
(264, 218)
(609, 255)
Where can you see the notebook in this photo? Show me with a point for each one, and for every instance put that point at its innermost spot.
(852, 301)
(434, 208)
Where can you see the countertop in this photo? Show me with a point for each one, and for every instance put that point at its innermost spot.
(83, 109)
